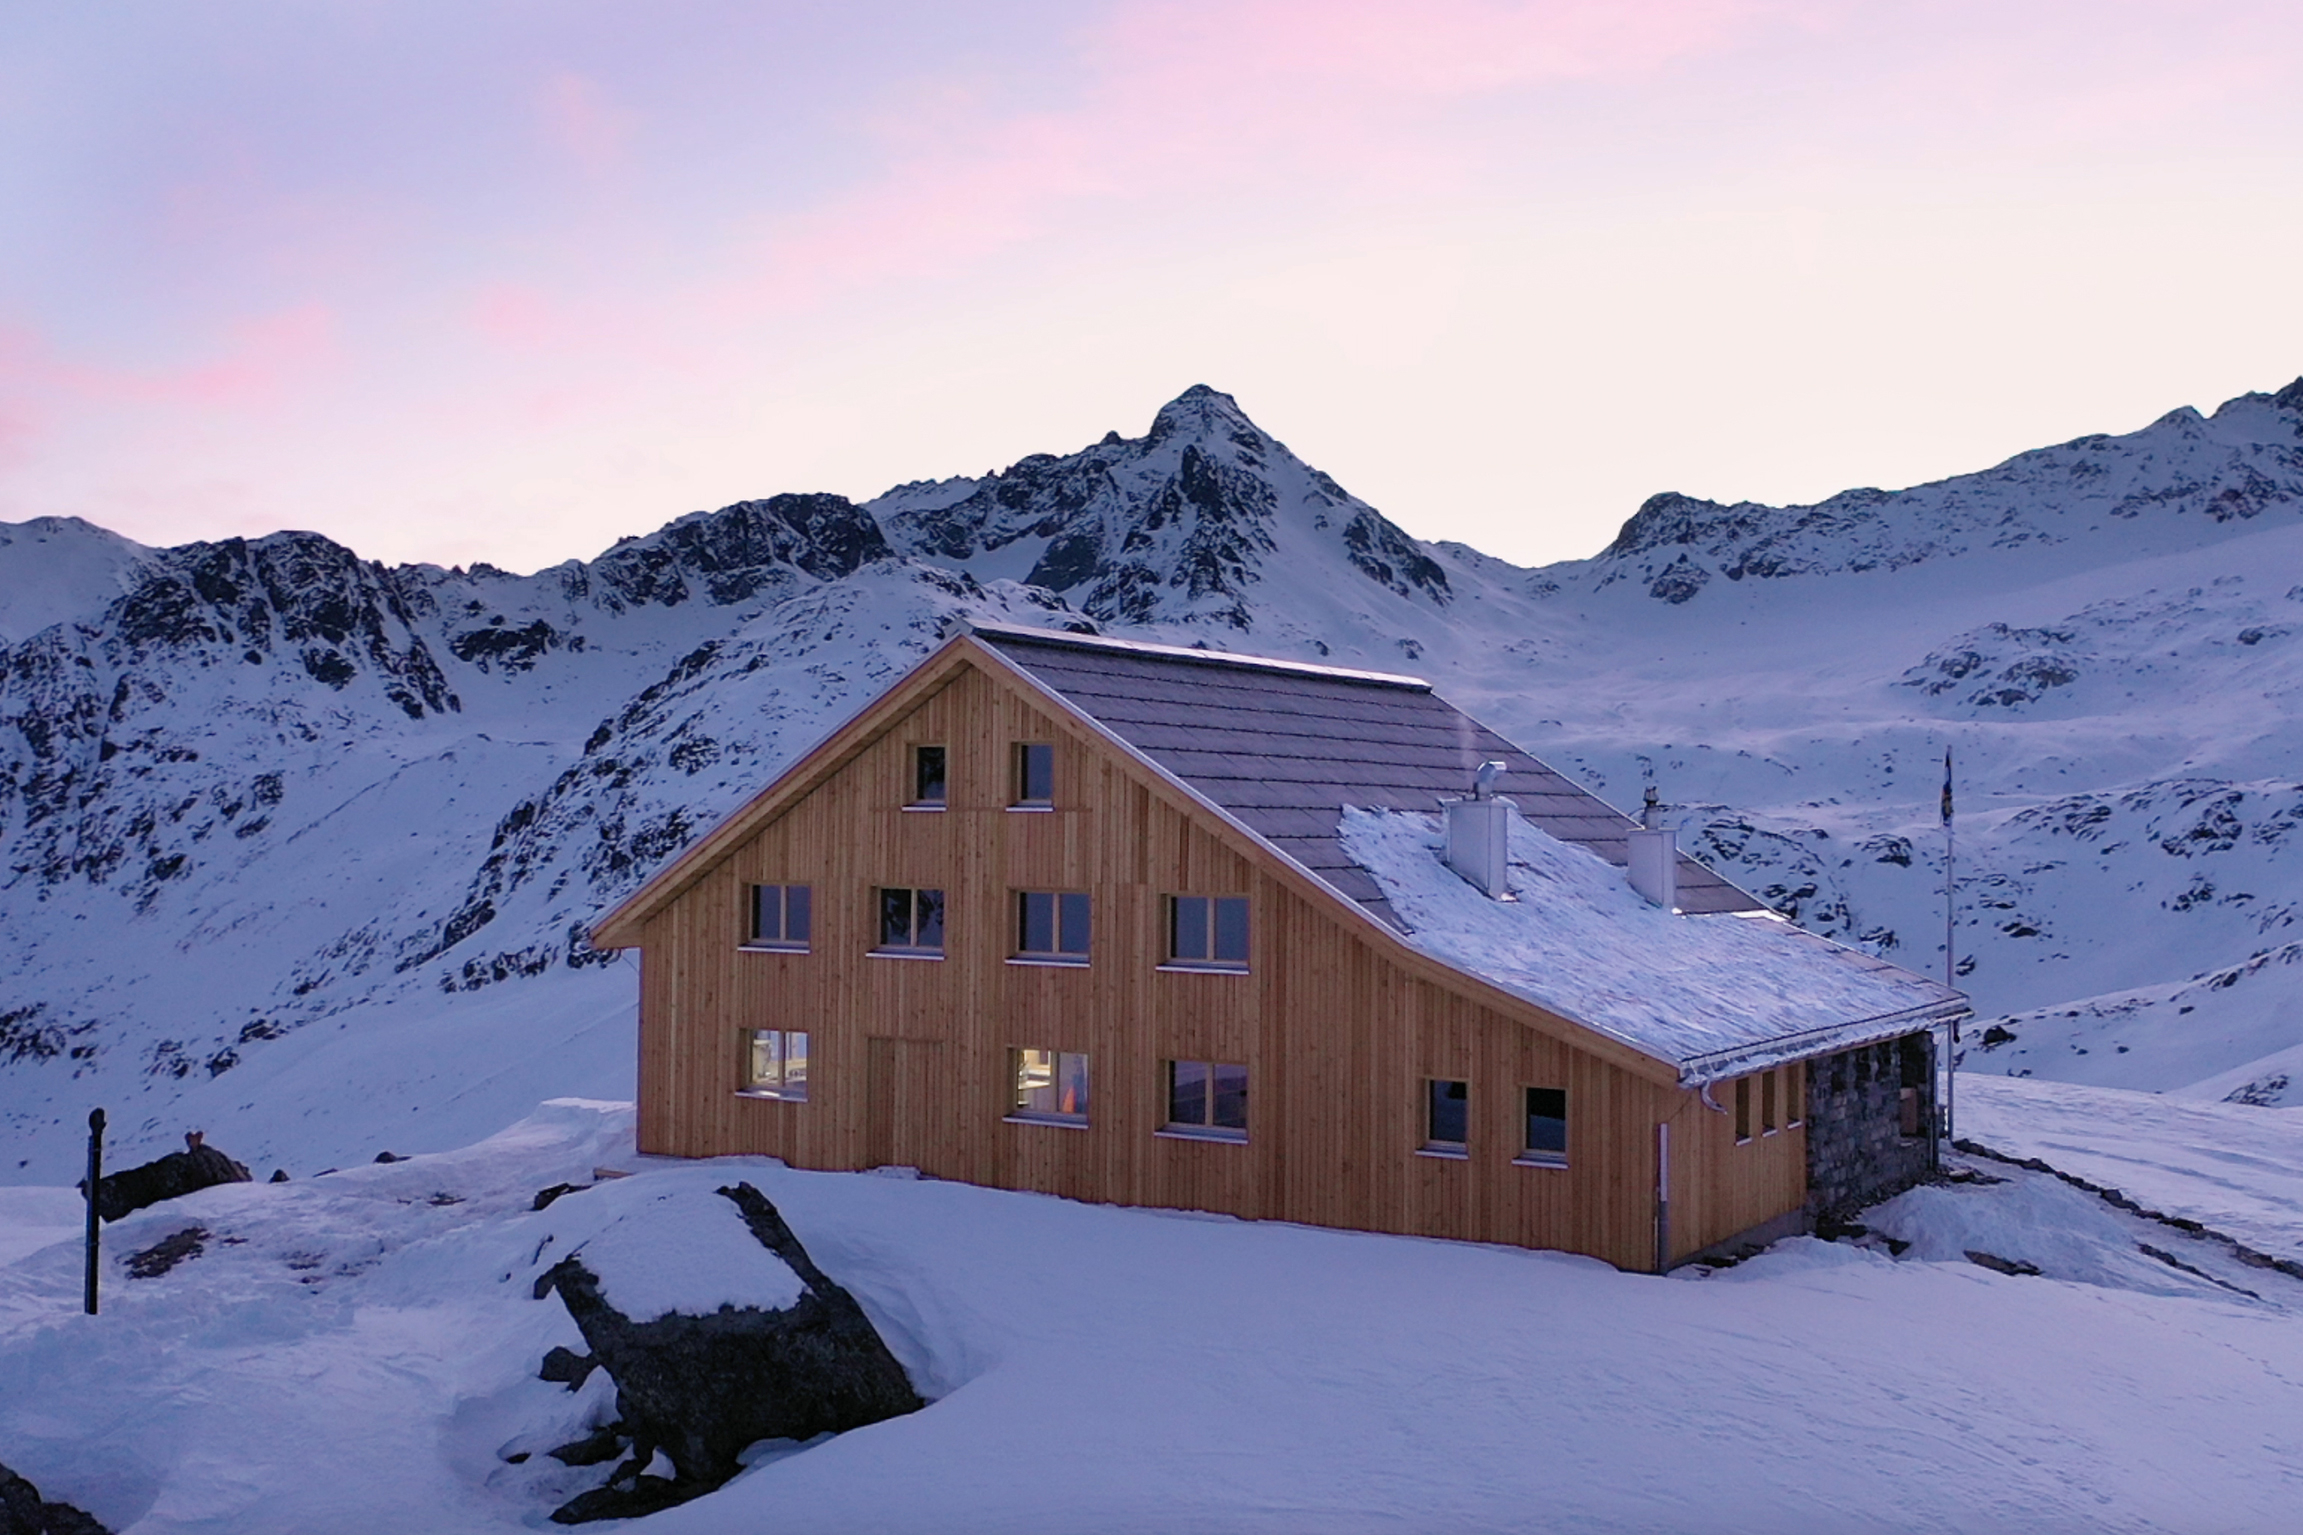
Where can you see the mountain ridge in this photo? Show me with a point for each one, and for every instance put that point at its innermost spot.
(256, 790)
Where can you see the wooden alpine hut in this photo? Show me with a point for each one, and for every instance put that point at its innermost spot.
(1155, 926)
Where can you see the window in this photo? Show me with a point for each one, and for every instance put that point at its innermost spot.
(776, 1064)
(911, 922)
(779, 918)
(927, 778)
(1767, 1124)
(1447, 1117)
(1050, 1085)
(1035, 776)
(1207, 1099)
(1052, 927)
(1794, 1095)
(1546, 1127)
(1742, 1110)
(1207, 932)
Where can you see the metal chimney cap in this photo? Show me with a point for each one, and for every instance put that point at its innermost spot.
(1484, 783)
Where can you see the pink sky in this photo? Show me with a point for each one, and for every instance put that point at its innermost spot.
(451, 282)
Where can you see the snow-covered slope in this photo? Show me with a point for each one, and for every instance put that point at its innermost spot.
(304, 846)
(359, 1352)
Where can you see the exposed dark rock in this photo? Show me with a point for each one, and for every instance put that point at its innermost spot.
(628, 1495)
(544, 1197)
(163, 1255)
(24, 1512)
(171, 1177)
(701, 1388)
(279, 1175)
(386, 1156)
(568, 1367)
(602, 1444)
(1999, 1265)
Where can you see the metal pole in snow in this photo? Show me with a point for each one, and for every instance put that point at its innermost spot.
(1950, 969)
(1663, 1196)
(95, 1176)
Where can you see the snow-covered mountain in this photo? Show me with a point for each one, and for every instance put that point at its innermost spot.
(302, 847)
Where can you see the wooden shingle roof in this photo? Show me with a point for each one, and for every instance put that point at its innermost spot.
(1284, 747)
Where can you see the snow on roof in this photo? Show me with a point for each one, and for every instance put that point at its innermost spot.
(1716, 996)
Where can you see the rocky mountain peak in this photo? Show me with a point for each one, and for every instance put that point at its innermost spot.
(1205, 414)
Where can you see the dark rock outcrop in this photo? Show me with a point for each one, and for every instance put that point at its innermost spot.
(173, 1176)
(24, 1512)
(701, 1388)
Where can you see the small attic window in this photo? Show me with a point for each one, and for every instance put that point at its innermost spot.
(1035, 776)
(928, 778)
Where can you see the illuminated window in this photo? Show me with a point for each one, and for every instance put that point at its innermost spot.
(1050, 1085)
(776, 1064)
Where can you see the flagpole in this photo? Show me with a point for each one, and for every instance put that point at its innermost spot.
(1950, 965)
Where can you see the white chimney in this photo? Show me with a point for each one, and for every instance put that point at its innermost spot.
(1479, 835)
(1655, 858)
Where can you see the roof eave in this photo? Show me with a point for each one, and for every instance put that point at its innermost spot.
(1741, 1060)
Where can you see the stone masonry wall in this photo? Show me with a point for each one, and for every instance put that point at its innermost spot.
(1857, 1151)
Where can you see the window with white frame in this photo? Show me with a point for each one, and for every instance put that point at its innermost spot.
(776, 1064)
(1207, 1099)
(780, 918)
(1207, 932)
(911, 922)
(1050, 1085)
(1052, 926)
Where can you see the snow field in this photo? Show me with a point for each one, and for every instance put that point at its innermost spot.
(354, 1353)
(2232, 1167)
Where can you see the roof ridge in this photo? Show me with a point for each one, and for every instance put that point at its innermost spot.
(1065, 638)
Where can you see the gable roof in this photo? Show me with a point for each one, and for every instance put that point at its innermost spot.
(1288, 754)
(1284, 747)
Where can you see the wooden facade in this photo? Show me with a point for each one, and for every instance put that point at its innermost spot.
(1340, 1024)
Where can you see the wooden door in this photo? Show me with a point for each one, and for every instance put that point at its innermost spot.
(906, 1092)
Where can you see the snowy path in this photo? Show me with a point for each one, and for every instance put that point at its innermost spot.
(2229, 1166)
(356, 1354)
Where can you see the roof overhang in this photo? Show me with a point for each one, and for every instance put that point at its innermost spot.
(1741, 1060)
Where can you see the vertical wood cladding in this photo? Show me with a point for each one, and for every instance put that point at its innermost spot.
(1339, 1030)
